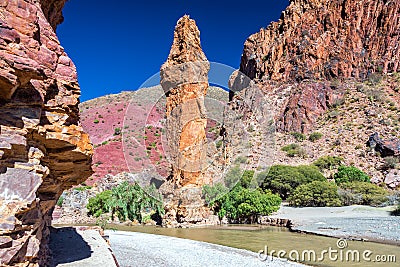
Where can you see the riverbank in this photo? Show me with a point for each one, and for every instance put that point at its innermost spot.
(79, 246)
(351, 222)
(140, 249)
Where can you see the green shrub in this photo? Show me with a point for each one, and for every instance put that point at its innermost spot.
(390, 163)
(315, 194)
(99, 204)
(83, 188)
(282, 179)
(60, 201)
(213, 192)
(293, 150)
(328, 162)
(117, 131)
(237, 176)
(298, 136)
(96, 121)
(126, 201)
(240, 160)
(315, 136)
(243, 204)
(347, 174)
(370, 194)
(396, 212)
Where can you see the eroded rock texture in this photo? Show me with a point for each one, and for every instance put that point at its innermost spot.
(184, 78)
(319, 41)
(43, 149)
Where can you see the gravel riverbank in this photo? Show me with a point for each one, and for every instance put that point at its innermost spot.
(353, 222)
(139, 249)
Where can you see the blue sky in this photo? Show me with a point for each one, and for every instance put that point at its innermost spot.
(118, 45)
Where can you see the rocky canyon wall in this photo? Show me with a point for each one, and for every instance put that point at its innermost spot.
(301, 59)
(43, 149)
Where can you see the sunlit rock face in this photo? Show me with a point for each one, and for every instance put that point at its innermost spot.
(300, 60)
(184, 78)
(43, 149)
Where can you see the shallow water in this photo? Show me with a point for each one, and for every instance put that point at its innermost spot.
(255, 238)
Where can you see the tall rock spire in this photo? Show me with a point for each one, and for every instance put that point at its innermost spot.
(184, 78)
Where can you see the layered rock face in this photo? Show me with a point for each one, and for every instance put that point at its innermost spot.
(184, 78)
(43, 149)
(317, 41)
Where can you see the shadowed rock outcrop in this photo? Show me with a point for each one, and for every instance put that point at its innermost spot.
(43, 149)
(317, 43)
(184, 78)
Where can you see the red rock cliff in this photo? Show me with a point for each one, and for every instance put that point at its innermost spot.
(43, 149)
(318, 39)
(300, 60)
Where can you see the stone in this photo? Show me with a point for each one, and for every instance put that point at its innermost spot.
(392, 179)
(386, 148)
(184, 79)
(42, 145)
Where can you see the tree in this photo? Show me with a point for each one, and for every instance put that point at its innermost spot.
(365, 193)
(243, 204)
(283, 179)
(315, 194)
(126, 201)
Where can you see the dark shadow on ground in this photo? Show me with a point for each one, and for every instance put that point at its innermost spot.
(66, 245)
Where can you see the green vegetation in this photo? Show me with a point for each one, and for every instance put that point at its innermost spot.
(390, 163)
(362, 193)
(218, 144)
(60, 201)
(241, 204)
(96, 121)
(214, 192)
(315, 194)
(328, 162)
(347, 174)
(126, 201)
(237, 176)
(315, 136)
(83, 188)
(117, 131)
(293, 150)
(240, 160)
(298, 136)
(282, 179)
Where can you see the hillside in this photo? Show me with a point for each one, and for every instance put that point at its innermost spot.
(126, 130)
(328, 67)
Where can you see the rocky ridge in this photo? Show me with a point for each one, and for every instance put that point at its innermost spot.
(328, 67)
(43, 149)
(316, 41)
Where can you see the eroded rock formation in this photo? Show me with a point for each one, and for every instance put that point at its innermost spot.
(43, 149)
(184, 78)
(316, 41)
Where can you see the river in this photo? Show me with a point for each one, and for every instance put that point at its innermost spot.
(256, 238)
